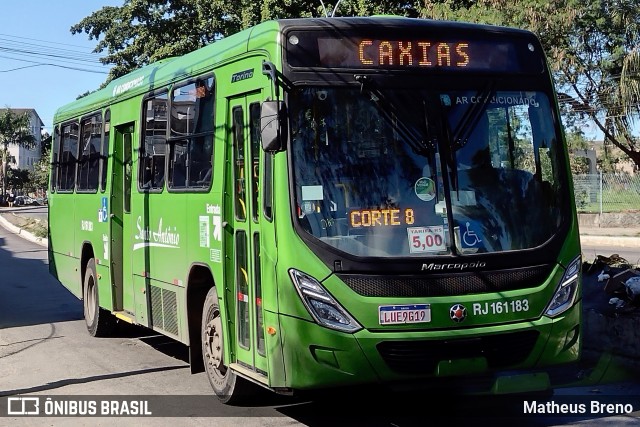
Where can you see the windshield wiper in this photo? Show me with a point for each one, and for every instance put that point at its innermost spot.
(393, 117)
(471, 116)
(460, 135)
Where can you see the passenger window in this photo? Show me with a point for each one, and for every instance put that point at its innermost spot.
(153, 145)
(104, 151)
(191, 138)
(55, 165)
(89, 162)
(68, 156)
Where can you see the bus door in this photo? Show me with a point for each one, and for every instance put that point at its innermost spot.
(243, 268)
(119, 219)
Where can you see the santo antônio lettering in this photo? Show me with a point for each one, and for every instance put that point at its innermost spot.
(422, 53)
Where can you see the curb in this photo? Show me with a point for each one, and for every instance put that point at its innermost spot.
(618, 241)
(23, 233)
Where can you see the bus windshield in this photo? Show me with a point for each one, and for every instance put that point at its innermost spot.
(415, 173)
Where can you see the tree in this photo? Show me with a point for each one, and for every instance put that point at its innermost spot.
(19, 179)
(14, 130)
(592, 47)
(40, 175)
(144, 31)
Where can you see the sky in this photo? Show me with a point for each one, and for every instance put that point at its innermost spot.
(37, 32)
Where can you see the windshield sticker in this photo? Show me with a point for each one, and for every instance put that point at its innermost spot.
(463, 198)
(426, 239)
(105, 246)
(215, 255)
(498, 99)
(102, 212)
(312, 192)
(217, 222)
(425, 189)
(204, 231)
(308, 208)
(468, 237)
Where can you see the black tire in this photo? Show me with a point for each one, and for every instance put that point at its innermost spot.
(100, 322)
(228, 387)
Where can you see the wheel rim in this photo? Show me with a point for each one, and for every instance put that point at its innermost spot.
(213, 346)
(90, 301)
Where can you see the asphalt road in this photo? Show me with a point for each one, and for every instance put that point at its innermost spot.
(45, 350)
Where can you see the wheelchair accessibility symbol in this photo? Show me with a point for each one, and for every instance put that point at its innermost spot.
(469, 237)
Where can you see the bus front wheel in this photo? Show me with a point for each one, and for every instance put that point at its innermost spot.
(228, 387)
(100, 322)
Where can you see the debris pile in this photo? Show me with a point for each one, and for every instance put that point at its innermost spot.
(622, 282)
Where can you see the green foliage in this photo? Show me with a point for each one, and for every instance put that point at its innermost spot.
(575, 142)
(144, 31)
(14, 130)
(592, 47)
(40, 175)
(19, 179)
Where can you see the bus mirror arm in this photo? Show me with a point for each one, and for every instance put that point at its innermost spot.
(269, 69)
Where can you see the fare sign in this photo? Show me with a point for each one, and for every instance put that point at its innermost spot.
(426, 239)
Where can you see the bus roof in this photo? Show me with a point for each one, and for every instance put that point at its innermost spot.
(262, 36)
(168, 70)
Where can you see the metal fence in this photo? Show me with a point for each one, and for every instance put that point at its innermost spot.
(606, 192)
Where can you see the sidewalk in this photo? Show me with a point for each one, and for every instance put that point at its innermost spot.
(14, 221)
(611, 236)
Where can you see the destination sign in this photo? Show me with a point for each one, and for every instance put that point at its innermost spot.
(446, 52)
(380, 217)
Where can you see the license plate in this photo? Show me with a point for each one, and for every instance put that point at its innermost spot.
(403, 314)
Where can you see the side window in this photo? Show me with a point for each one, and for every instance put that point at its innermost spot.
(238, 162)
(254, 118)
(191, 137)
(89, 161)
(67, 156)
(153, 143)
(55, 164)
(104, 151)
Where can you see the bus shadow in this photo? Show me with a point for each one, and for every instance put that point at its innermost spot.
(164, 344)
(29, 295)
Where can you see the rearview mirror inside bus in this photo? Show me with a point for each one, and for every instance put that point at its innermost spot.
(273, 125)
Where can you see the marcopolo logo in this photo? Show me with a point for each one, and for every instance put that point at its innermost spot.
(452, 266)
(121, 88)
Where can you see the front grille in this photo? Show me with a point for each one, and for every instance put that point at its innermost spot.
(446, 285)
(422, 357)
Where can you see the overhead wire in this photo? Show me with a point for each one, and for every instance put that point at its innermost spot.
(46, 53)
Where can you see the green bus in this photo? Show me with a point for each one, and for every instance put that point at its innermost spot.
(321, 203)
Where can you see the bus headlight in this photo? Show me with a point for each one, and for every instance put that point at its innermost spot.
(321, 305)
(566, 292)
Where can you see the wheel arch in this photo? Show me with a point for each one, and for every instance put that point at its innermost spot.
(199, 282)
(86, 253)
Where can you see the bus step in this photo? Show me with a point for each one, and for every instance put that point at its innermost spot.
(125, 317)
(249, 374)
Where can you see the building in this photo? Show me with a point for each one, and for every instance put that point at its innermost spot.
(23, 158)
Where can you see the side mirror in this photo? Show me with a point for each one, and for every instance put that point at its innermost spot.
(273, 126)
